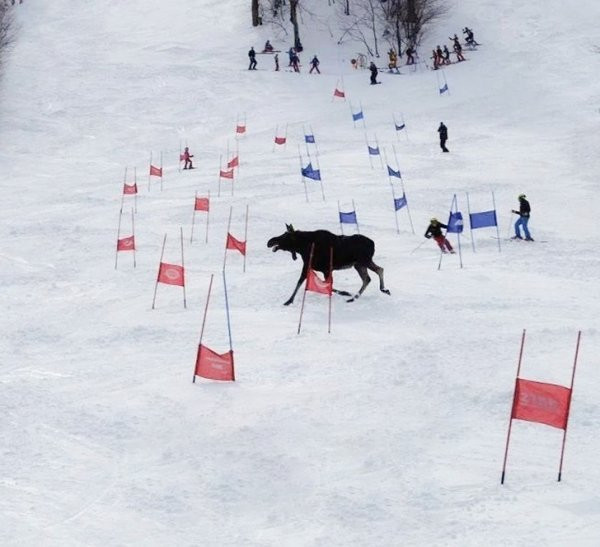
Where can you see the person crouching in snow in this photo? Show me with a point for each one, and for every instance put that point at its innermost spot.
(435, 230)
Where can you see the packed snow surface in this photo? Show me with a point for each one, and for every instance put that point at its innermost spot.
(391, 429)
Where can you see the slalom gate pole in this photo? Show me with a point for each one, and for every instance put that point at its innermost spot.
(379, 150)
(136, 190)
(320, 176)
(219, 185)
(455, 205)
(123, 189)
(228, 324)
(562, 450)
(203, 323)
(355, 216)
(228, 228)
(182, 265)
(497, 227)
(275, 137)
(315, 139)
(312, 248)
(301, 175)
(149, 177)
(363, 116)
(395, 211)
(330, 292)
(162, 252)
(193, 218)
(246, 239)
(340, 218)
(133, 234)
(352, 114)
(511, 408)
(470, 229)
(161, 171)
(369, 150)
(118, 235)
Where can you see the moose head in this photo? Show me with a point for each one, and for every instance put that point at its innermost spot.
(285, 242)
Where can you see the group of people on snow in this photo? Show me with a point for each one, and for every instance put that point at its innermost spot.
(441, 56)
(294, 59)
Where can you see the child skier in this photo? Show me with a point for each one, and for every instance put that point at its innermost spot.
(314, 65)
(187, 159)
(435, 230)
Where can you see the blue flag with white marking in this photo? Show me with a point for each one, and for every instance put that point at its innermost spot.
(393, 173)
(400, 202)
(455, 223)
(373, 151)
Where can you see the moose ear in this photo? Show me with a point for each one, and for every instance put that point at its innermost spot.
(290, 228)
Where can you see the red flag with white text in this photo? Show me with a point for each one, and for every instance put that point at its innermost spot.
(126, 244)
(315, 284)
(171, 274)
(214, 366)
(541, 403)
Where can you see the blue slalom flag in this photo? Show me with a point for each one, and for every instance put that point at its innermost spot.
(443, 89)
(309, 139)
(399, 127)
(393, 173)
(358, 116)
(373, 151)
(455, 223)
(348, 218)
(310, 173)
(483, 219)
(401, 202)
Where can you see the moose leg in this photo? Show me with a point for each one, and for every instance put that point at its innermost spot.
(379, 271)
(364, 275)
(300, 281)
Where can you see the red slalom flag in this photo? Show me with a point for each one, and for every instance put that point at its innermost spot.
(235, 162)
(202, 204)
(126, 244)
(171, 274)
(155, 171)
(280, 140)
(129, 189)
(316, 284)
(235, 244)
(226, 174)
(214, 366)
(240, 129)
(541, 403)
(338, 93)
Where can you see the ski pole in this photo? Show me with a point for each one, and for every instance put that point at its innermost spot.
(509, 225)
(417, 247)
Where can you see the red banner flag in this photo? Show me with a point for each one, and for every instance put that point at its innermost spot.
(129, 189)
(240, 129)
(280, 140)
(235, 244)
(202, 204)
(234, 162)
(541, 403)
(214, 366)
(155, 171)
(126, 244)
(226, 174)
(338, 93)
(171, 274)
(316, 284)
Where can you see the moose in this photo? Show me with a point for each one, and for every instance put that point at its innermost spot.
(326, 251)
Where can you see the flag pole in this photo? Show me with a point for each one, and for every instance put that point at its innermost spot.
(179, 163)
(123, 190)
(275, 138)
(133, 234)
(315, 139)
(136, 190)
(161, 171)
(512, 408)
(363, 116)
(497, 228)
(470, 229)
(149, 168)
(405, 130)
(320, 177)
(396, 127)
(301, 175)
(380, 158)
(455, 204)
(562, 450)
(245, 239)
(285, 137)
(159, 265)
(203, 322)
(334, 90)
(312, 247)
(369, 150)
(340, 218)
(355, 216)
(182, 265)
(395, 210)
(193, 218)
(219, 186)
(352, 114)
(228, 228)
(118, 235)
(207, 217)
(330, 292)
(228, 325)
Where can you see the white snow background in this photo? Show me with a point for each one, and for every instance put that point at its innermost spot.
(391, 429)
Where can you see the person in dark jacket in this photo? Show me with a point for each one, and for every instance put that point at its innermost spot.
(252, 56)
(410, 60)
(435, 230)
(524, 213)
(314, 65)
(374, 72)
(443, 131)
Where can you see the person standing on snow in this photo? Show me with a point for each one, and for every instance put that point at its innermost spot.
(187, 158)
(276, 62)
(443, 131)
(252, 56)
(435, 230)
(410, 51)
(524, 213)
(314, 65)
(374, 73)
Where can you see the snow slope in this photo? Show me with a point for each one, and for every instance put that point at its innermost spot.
(388, 431)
